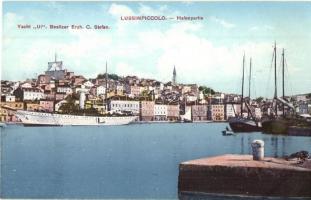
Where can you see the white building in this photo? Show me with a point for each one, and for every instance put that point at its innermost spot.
(120, 89)
(88, 84)
(191, 98)
(187, 115)
(100, 90)
(127, 106)
(232, 110)
(9, 98)
(160, 112)
(25, 85)
(32, 94)
(64, 89)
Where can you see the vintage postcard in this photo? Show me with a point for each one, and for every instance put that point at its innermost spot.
(155, 100)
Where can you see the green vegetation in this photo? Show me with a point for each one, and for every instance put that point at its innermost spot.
(72, 98)
(110, 76)
(145, 95)
(73, 109)
(206, 90)
(69, 108)
(259, 99)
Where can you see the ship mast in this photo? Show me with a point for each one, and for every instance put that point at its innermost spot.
(275, 81)
(283, 85)
(242, 86)
(106, 89)
(249, 80)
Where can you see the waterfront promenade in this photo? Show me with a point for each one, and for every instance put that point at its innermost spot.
(241, 175)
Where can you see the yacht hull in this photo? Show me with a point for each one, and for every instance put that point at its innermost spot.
(50, 119)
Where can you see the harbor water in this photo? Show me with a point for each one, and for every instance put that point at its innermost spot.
(138, 161)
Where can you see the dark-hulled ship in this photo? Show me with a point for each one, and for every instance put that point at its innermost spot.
(244, 125)
(274, 123)
(239, 123)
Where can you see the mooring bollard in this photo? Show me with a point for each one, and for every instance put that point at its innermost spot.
(258, 149)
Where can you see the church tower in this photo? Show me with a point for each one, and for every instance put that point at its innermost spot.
(174, 76)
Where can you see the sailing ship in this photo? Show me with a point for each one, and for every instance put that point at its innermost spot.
(30, 118)
(274, 123)
(239, 123)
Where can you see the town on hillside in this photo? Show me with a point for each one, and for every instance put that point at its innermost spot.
(61, 91)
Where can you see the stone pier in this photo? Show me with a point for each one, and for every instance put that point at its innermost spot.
(241, 175)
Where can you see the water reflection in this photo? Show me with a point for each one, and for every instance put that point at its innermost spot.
(274, 144)
(242, 145)
(283, 147)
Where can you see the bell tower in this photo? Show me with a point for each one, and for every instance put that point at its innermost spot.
(174, 76)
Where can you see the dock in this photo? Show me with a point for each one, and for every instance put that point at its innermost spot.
(241, 175)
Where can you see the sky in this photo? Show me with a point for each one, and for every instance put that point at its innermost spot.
(207, 52)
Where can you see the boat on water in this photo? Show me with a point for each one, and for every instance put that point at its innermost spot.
(244, 125)
(227, 132)
(29, 118)
(240, 123)
(279, 124)
(291, 125)
(187, 121)
(2, 125)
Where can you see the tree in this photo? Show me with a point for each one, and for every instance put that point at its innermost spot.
(110, 76)
(113, 77)
(206, 90)
(72, 98)
(69, 108)
(145, 95)
(259, 99)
